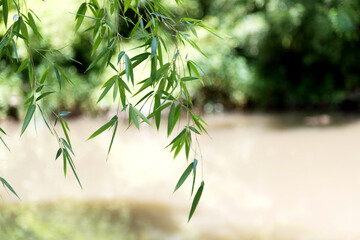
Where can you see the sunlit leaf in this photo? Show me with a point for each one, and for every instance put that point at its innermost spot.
(28, 116)
(80, 15)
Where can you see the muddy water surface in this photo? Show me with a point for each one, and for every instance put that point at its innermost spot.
(266, 176)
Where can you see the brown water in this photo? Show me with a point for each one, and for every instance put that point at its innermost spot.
(266, 177)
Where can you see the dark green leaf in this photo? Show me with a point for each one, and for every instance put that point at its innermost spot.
(58, 153)
(5, 11)
(196, 200)
(1, 130)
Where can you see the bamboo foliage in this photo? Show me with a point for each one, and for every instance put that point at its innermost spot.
(160, 35)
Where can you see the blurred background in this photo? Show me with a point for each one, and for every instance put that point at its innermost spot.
(281, 98)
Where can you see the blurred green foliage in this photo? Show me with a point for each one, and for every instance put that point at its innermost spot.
(85, 220)
(276, 54)
(281, 53)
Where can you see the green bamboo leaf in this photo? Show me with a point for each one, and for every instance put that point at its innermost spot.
(193, 129)
(109, 85)
(43, 77)
(58, 153)
(160, 109)
(42, 114)
(29, 100)
(6, 184)
(121, 54)
(1, 130)
(101, 55)
(113, 137)
(129, 69)
(32, 24)
(154, 46)
(29, 114)
(23, 28)
(71, 163)
(63, 74)
(31, 74)
(66, 56)
(180, 135)
(135, 28)
(5, 144)
(171, 119)
(23, 65)
(111, 26)
(5, 11)
(194, 175)
(64, 113)
(64, 162)
(57, 75)
(43, 95)
(104, 127)
(4, 42)
(185, 79)
(80, 15)
(133, 116)
(18, 35)
(184, 176)
(67, 145)
(97, 42)
(142, 116)
(64, 127)
(149, 94)
(196, 200)
(15, 49)
(194, 68)
(156, 111)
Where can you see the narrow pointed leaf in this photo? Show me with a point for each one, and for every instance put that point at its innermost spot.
(6, 184)
(23, 65)
(196, 200)
(104, 127)
(29, 114)
(113, 136)
(58, 153)
(5, 11)
(184, 176)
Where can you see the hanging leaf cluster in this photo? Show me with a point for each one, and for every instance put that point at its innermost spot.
(160, 36)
